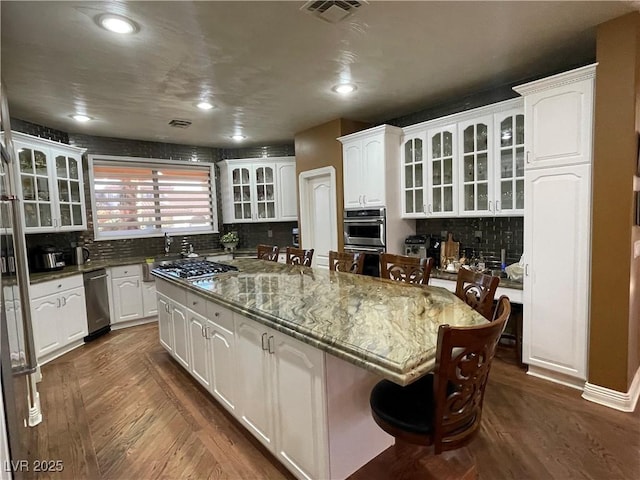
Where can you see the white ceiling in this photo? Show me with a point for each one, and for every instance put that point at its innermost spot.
(269, 67)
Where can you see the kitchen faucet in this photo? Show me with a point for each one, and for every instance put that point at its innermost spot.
(167, 242)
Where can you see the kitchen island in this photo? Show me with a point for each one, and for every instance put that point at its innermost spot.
(293, 352)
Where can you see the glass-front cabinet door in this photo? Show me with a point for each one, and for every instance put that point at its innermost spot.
(476, 183)
(68, 175)
(509, 175)
(241, 191)
(265, 196)
(413, 176)
(441, 143)
(35, 183)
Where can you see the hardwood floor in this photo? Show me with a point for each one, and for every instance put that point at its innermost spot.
(121, 408)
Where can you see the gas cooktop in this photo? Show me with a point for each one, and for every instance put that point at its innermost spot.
(195, 269)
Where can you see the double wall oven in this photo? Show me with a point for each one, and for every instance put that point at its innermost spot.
(365, 232)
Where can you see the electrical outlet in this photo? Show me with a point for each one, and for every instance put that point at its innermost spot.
(270, 233)
(478, 234)
(443, 234)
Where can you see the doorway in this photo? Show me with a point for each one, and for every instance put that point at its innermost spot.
(318, 222)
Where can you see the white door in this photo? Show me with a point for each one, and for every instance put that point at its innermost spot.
(318, 214)
(301, 441)
(199, 349)
(127, 298)
(223, 362)
(287, 192)
(254, 380)
(45, 312)
(556, 282)
(164, 323)
(74, 314)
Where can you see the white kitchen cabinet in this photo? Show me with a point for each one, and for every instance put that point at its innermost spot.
(509, 163)
(180, 333)
(199, 361)
(132, 300)
(59, 316)
(559, 113)
(475, 178)
(221, 348)
(50, 184)
(165, 325)
(127, 296)
(413, 175)
(442, 198)
(557, 227)
(366, 156)
(253, 190)
(473, 164)
(149, 301)
(255, 397)
(287, 191)
(281, 398)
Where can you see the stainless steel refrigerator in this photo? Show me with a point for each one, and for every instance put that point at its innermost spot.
(20, 401)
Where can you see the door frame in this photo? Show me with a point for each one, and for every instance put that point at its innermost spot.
(306, 227)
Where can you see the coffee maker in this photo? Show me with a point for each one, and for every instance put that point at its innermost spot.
(416, 246)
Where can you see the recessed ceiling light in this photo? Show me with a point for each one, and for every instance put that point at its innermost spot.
(78, 117)
(204, 106)
(344, 88)
(116, 23)
(238, 138)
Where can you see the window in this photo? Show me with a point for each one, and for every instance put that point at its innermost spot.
(134, 197)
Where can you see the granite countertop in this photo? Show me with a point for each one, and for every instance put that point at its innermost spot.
(504, 282)
(93, 265)
(387, 327)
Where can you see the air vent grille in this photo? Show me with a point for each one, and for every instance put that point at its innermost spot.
(332, 11)
(180, 123)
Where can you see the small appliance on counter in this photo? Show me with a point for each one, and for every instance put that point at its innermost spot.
(296, 237)
(46, 258)
(416, 246)
(80, 255)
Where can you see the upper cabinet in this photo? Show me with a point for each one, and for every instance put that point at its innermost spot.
(258, 190)
(365, 156)
(467, 164)
(564, 137)
(51, 187)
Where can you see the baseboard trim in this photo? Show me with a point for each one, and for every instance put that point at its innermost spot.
(133, 323)
(625, 402)
(556, 377)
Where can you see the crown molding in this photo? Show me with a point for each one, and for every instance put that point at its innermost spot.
(565, 78)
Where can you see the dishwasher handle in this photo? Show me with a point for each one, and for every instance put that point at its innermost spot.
(98, 277)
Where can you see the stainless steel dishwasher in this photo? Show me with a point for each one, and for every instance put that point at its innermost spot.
(97, 301)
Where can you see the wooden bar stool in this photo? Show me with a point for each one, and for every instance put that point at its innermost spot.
(351, 262)
(406, 269)
(298, 256)
(268, 252)
(477, 290)
(443, 409)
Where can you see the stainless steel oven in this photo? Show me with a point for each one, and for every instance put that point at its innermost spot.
(365, 227)
(371, 258)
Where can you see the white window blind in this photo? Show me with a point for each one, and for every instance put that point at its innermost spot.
(134, 199)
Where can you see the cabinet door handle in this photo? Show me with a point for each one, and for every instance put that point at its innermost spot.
(270, 344)
(526, 269)
(490, 209)
(58, 302)
(528, 156)
(64, 301)
(364, 199)
(194, 303)
(202, 331)
(137, 283)
(430, 209)
(424, 208)
(217, 314)
(264, 336)
(497, 205)
(206, 332)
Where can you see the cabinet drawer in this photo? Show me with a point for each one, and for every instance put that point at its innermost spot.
(175, 293)
(54, 286)
(221, 316)
(197, 303)
(126, 271)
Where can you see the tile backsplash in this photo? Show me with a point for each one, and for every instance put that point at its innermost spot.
(496, 233)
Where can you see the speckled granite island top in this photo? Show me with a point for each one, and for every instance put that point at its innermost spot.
(386, 327)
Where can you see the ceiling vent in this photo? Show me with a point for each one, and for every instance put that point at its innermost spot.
(180, 123)
(332, 11)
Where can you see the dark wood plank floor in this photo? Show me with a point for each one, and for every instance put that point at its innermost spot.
(121, 408)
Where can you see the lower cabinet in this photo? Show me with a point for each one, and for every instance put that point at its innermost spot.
(149, 303)
(165, 326)
(180, 333)
(131, 298)
(59, 316)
